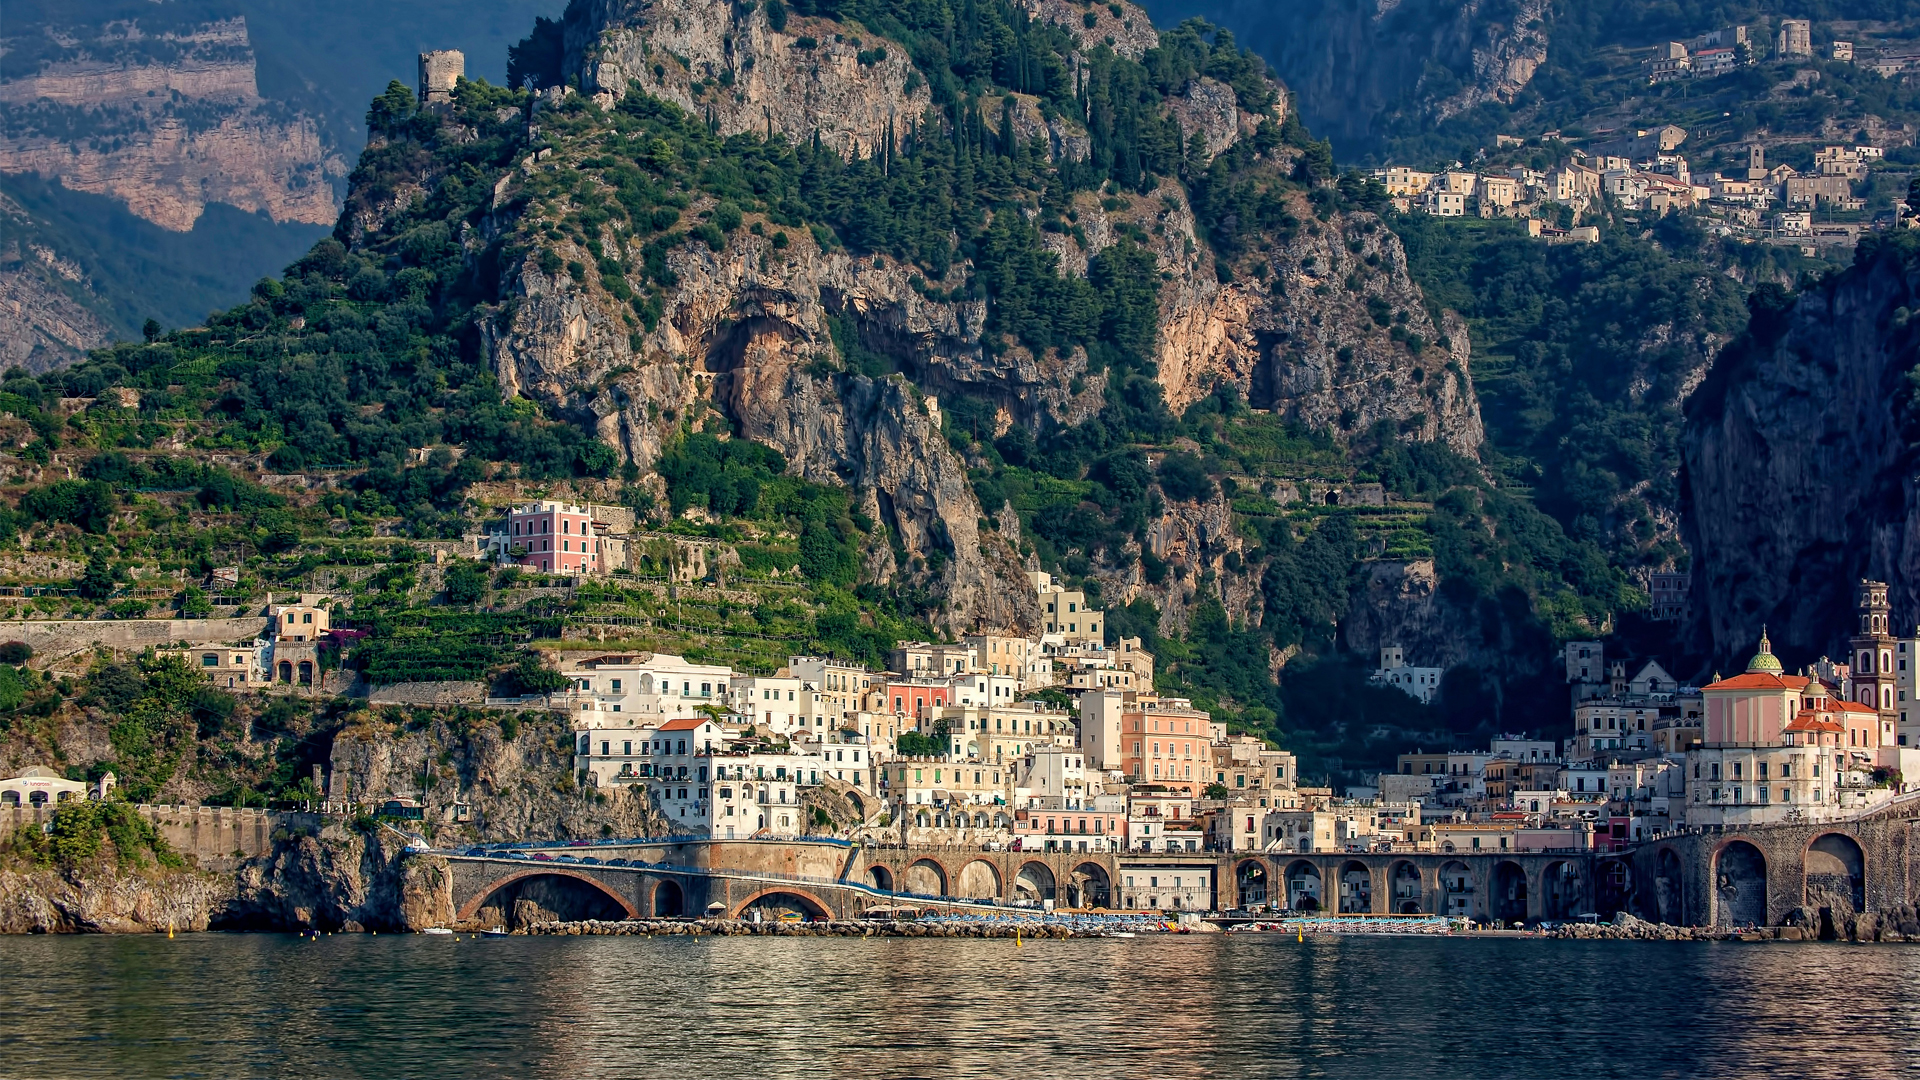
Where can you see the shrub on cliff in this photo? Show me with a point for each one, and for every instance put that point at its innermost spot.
(83, 830)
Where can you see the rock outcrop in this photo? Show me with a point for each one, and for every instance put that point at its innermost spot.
(1798, 474)
(1324, 326)
(1356, 66)
(44, 324)
(167, 125)
(474, 781)
(338, 879)
(727, 63)
(102, 897)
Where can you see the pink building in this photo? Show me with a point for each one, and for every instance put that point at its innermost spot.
(910, 696)
(554, 537)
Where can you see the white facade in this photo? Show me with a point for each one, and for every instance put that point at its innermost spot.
(1421, 683)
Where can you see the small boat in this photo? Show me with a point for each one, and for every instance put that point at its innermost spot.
(498, 931)
(436, 930)
(1121, 933)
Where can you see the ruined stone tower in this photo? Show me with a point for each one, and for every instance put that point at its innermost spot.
(439, 70)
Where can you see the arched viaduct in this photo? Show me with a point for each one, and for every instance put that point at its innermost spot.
(1757, 876)
(1762, 876)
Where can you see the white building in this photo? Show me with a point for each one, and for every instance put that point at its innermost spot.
(1422, 683)
(650, 687)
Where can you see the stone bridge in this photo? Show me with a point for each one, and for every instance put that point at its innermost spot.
(1757, 876)
(1761, 876)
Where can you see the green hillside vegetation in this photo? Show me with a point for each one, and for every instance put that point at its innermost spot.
(364, 366)
(1595, 80)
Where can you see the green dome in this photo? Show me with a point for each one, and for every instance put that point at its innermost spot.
(1764, 660)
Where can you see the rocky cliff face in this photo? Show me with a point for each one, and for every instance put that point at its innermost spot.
(41, 294)
(507, 788)
(338, 879)
(103, 898)
(1324, 326)
(167, 125)
(1798, 477)
(727, 63)
(1352, 63)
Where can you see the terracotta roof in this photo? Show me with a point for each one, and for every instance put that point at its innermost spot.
(1808, 721)
(1759, 680)
(686, 723)
(1853, 707)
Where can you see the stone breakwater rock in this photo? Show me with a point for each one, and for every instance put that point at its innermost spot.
(835, 928)
(1628, 928)
(1900, 924)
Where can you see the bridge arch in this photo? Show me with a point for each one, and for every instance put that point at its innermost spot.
(1561, 890)
(1034, 882)
(1456, 890)
(550, 889)
(1250, 882)
(1089, 886)
(925, 877)
(979, 880)
(1303, 886)
(1507, 901)
(774, 902)
(669, 900)
(1356, 888)
(1739, 885)
(880, 876)
(1669, 900)
(1403, 885)
(1834, 881)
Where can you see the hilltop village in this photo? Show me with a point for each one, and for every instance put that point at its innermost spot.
(1555, 180)
(1059, 742)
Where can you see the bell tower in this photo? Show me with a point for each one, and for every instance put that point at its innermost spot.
(1873, 676)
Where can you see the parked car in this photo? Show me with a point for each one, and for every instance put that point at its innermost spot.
(518, 855)
(589, 859)
(542, 856)
(616, 862)
(566, 858)
(475, 851)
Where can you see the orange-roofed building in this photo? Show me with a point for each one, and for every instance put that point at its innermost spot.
(1781, 747)
(1755, 707)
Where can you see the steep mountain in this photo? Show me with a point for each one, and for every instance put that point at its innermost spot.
(1357, 64)
(1799, 459)
(167, 111)
(875, 313)
(1432, 81)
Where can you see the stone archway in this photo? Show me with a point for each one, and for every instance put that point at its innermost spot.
(1834, 884)
(1356, 888)
(1303, 886)
(979, 880)
(1034, 882)
(1404, 881)
(1456, 890)
(880, 877)
(1560, 891)
(1089, 887)
(668, 900)
(1250, 881)
(1669, 888)
(1739, 885)
(535, 896)
(782, 904)
(925, 877)
(1508, 901)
